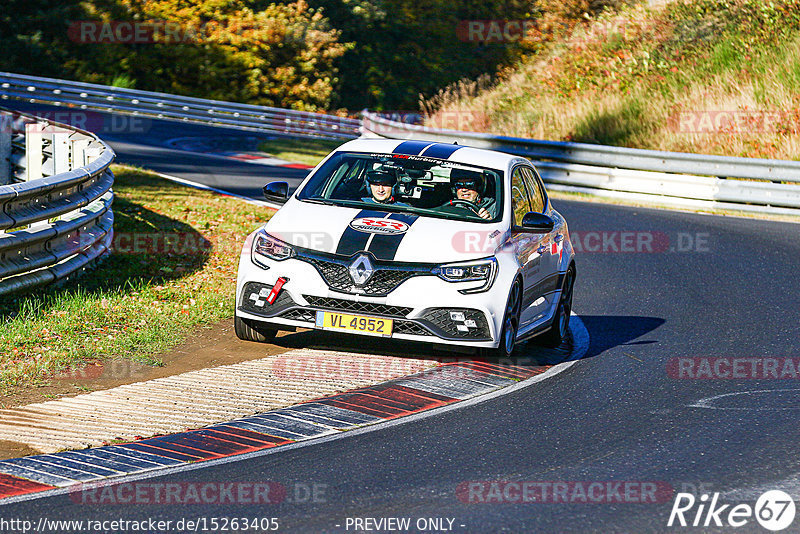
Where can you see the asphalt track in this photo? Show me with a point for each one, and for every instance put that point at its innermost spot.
(616, 415)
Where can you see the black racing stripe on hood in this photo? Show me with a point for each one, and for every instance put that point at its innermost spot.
(352, 240)
(441, 150)
(412, 148)
(384, 247)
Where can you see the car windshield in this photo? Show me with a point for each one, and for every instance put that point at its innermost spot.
(416, 184)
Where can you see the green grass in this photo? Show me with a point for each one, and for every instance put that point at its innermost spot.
(135, 305)
(308, 151)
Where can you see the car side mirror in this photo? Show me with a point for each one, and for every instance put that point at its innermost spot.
(537, 223)
(277, 192)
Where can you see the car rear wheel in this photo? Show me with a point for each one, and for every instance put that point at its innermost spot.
(559, 331)
(508, 334)
(248, 330)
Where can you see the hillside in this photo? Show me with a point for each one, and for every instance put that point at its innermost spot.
(707, 76)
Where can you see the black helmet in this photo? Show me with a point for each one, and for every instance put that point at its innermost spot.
(381, 178)
(465, 178)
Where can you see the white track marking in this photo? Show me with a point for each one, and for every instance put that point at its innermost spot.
(706, 402)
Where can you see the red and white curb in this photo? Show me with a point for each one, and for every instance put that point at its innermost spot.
(260, 158)
(450, 386)
(200, 146)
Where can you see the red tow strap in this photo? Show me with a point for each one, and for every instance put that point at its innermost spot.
(276, 289)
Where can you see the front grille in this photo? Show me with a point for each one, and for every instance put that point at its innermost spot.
(385, 281)
(410, 328)
(306, 316)
(457, 323)
(335, 275)
(385, 278)
(369, 308)
(254, 300)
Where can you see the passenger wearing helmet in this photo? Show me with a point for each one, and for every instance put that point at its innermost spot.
(468, 190)
(381, 188)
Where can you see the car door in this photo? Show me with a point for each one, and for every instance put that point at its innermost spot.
(553, 242)
(529, 248)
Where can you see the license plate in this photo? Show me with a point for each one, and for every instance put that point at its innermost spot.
(354, 323)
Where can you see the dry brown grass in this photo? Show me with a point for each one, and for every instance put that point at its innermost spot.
(625, 79)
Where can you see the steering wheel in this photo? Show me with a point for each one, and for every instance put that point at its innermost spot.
(466, 204)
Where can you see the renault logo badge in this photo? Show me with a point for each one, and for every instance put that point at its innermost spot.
(361, 270)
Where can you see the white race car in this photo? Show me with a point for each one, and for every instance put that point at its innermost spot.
(412, 240)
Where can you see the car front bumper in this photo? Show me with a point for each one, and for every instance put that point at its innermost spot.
(423, 308)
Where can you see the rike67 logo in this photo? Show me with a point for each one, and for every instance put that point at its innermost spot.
(774, 510)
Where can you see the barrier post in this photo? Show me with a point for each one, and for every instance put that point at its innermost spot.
(60, 148)
(78, 158)
(33, 151)
(5, 149)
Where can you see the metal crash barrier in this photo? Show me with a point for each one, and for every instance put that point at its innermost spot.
(55, 199)
(650, 176)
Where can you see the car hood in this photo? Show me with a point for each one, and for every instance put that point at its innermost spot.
(402, 237)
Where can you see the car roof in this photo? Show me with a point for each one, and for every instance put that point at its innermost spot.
(446, 151)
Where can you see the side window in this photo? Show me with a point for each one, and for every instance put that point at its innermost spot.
(520, 204)
(538, 201)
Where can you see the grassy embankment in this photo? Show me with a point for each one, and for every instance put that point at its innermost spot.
(146, 297)
(308, 151)
(658, 77)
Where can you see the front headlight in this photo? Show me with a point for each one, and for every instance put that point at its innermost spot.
(266, 246)
(485, 270)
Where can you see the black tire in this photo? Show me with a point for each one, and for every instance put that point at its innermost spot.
(248, 330)
(560, 329)
(508, 334)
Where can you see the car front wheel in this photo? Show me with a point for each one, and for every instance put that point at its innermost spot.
(508, 334)
(251, 331)
(559, 331)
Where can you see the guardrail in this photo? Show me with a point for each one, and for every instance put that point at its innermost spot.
(671, 178)
(55, 204)
(179, 108)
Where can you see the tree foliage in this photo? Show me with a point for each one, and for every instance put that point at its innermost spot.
(404, 48)
(280, 54)
(302, 54)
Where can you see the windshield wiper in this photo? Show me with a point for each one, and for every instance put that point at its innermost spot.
(319, 201)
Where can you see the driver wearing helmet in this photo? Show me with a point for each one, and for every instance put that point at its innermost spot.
(381, 188)
(468, 189)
